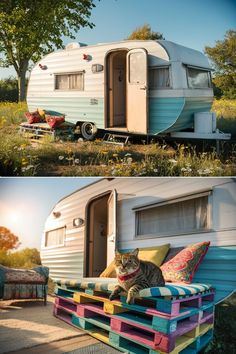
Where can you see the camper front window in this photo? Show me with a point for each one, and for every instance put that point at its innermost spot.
(71, 81)
(174, 218)
(159, 78)
(55, 237)
(198, 78)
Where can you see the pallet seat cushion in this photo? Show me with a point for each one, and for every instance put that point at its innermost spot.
(155, 255)
(183, 266)
(108, 284)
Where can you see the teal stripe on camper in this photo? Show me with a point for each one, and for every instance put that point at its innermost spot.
(163, 112)
(175, 113)
(219, 269)
(88, 109)
(186, 118)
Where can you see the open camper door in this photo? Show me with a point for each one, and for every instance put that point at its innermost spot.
(137, 89)
(111, 229)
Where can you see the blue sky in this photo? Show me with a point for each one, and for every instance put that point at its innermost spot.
(193, 23)
(25, 203)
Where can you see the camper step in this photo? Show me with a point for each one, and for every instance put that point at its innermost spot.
(101, 328)
(134, 323)
(169, 307)
(39, 130)
(151, 320)
(117, 139)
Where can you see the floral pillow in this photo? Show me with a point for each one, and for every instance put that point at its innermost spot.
(183, 266)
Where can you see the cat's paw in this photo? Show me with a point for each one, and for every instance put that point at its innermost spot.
(130, 300)
(112, 297)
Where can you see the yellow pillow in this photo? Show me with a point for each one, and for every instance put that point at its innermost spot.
(155, 255)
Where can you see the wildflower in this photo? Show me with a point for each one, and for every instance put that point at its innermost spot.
(129, 160)
(173, 161)
(183, 169)
(77, 161)
(29, 167)
(80, 140)
(155, 170)
(61, 157)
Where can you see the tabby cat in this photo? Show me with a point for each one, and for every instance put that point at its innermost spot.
(134, 274)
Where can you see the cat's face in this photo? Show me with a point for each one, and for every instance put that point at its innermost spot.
(126, 263)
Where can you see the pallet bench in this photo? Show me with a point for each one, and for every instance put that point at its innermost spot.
(152, 325)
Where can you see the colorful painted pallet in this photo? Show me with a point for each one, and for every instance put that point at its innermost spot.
(135, 342)
(135, 323)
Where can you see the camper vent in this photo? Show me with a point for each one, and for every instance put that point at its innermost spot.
(75, 45)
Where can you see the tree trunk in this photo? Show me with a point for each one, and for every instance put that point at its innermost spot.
(21, 87)
(22, 80)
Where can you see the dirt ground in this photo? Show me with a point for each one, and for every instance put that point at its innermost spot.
(30, 324)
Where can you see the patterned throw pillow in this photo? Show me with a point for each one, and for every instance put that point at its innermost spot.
(33, 117)
(54, 121)
(183, 266)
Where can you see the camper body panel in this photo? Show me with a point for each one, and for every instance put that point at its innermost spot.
(91, 103)
(69, 259)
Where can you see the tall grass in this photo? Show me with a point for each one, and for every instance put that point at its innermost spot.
(19, 158)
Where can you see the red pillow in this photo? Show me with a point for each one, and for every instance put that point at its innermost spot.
(55, 121)
(183, 266)
(33, 117)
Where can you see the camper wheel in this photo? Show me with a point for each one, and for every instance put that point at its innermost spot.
(88, 130)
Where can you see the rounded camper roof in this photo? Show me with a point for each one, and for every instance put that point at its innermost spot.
(177, 52)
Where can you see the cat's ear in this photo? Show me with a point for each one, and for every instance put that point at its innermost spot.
(135, 252)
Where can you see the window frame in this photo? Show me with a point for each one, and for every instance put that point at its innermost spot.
(59, 244)
(170, 77)
(187, 67)
(81, 72)
(209, 227)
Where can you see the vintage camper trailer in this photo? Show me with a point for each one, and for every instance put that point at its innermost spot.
(83, 229)
(132, 87)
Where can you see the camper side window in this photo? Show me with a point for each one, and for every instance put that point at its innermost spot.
(198, 78)
(55, 237)
(174, 218)
(72, 81)
(159, 78)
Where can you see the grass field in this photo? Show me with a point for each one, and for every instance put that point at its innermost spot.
(18, 157)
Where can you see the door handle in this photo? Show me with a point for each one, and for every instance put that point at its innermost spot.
(143, 88)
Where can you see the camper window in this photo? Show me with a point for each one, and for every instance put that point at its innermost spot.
(198, 78)
(71, 81)
(137, 65)
(159, 78)
(55, 237)
(174, 217)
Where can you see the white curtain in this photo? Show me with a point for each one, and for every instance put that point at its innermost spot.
(62, 82)
(55, 237)
(175, 218)
(159, 78)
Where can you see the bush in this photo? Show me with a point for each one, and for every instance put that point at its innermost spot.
(9, 90)
(26, 258)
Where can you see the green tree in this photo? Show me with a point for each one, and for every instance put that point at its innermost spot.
(145, 33)
(8, 240)
(223, 57)
(30, 29)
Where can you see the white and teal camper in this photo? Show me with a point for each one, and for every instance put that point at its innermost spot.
(84, 228)
(133, 87)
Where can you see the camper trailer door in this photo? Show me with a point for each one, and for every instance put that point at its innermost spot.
(111, 230)
(137, 88)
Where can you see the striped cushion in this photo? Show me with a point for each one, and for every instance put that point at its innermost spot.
(108, 284)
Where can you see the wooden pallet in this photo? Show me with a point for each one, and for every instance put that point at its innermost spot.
(134, 322)
(134, 342)
(37, 131)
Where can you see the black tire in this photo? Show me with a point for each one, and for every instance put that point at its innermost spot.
(88, 130)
